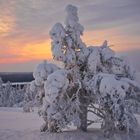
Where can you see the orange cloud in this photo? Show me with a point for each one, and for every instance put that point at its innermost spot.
(6, 25)
(117, 41)
(40, 50)
(31, 51)
(23, 49)
(7, 19)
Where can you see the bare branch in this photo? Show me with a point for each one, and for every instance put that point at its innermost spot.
(96, 113)
(92, 106)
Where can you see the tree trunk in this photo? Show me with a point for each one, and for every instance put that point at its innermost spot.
(83, 112)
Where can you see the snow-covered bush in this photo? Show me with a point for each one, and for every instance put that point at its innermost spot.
(29, 100)
(40, 75)
(93, 80)
(11, 96)
(116, 99)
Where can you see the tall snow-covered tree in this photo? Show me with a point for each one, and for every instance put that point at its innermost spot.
(93, 80)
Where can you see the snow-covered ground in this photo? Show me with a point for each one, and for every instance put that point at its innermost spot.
(17, 125)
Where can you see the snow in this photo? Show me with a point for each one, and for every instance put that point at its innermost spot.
(94, 60)
(72, 17)
(42, 71)
(16, 119)
(106, 52)
(109, 84)
(16, 125)
(137, 77)
(57, 34)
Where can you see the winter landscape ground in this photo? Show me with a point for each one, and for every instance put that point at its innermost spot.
(17, 125)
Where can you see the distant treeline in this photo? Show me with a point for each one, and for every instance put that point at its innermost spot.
(17, 76)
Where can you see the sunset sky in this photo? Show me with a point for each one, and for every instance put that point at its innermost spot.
(25, 25)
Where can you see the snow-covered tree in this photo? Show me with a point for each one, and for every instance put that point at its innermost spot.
(29, 100)
(11, 96)
(93, 80)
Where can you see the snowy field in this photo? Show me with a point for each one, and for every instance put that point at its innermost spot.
(16, 125)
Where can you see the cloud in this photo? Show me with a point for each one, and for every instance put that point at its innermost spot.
(112, 13)
(25, 24)
(22, 66)
(133, 56)
(40, 15)
(30, 51)
(36, 17)
(6, 25)
(7, 19)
